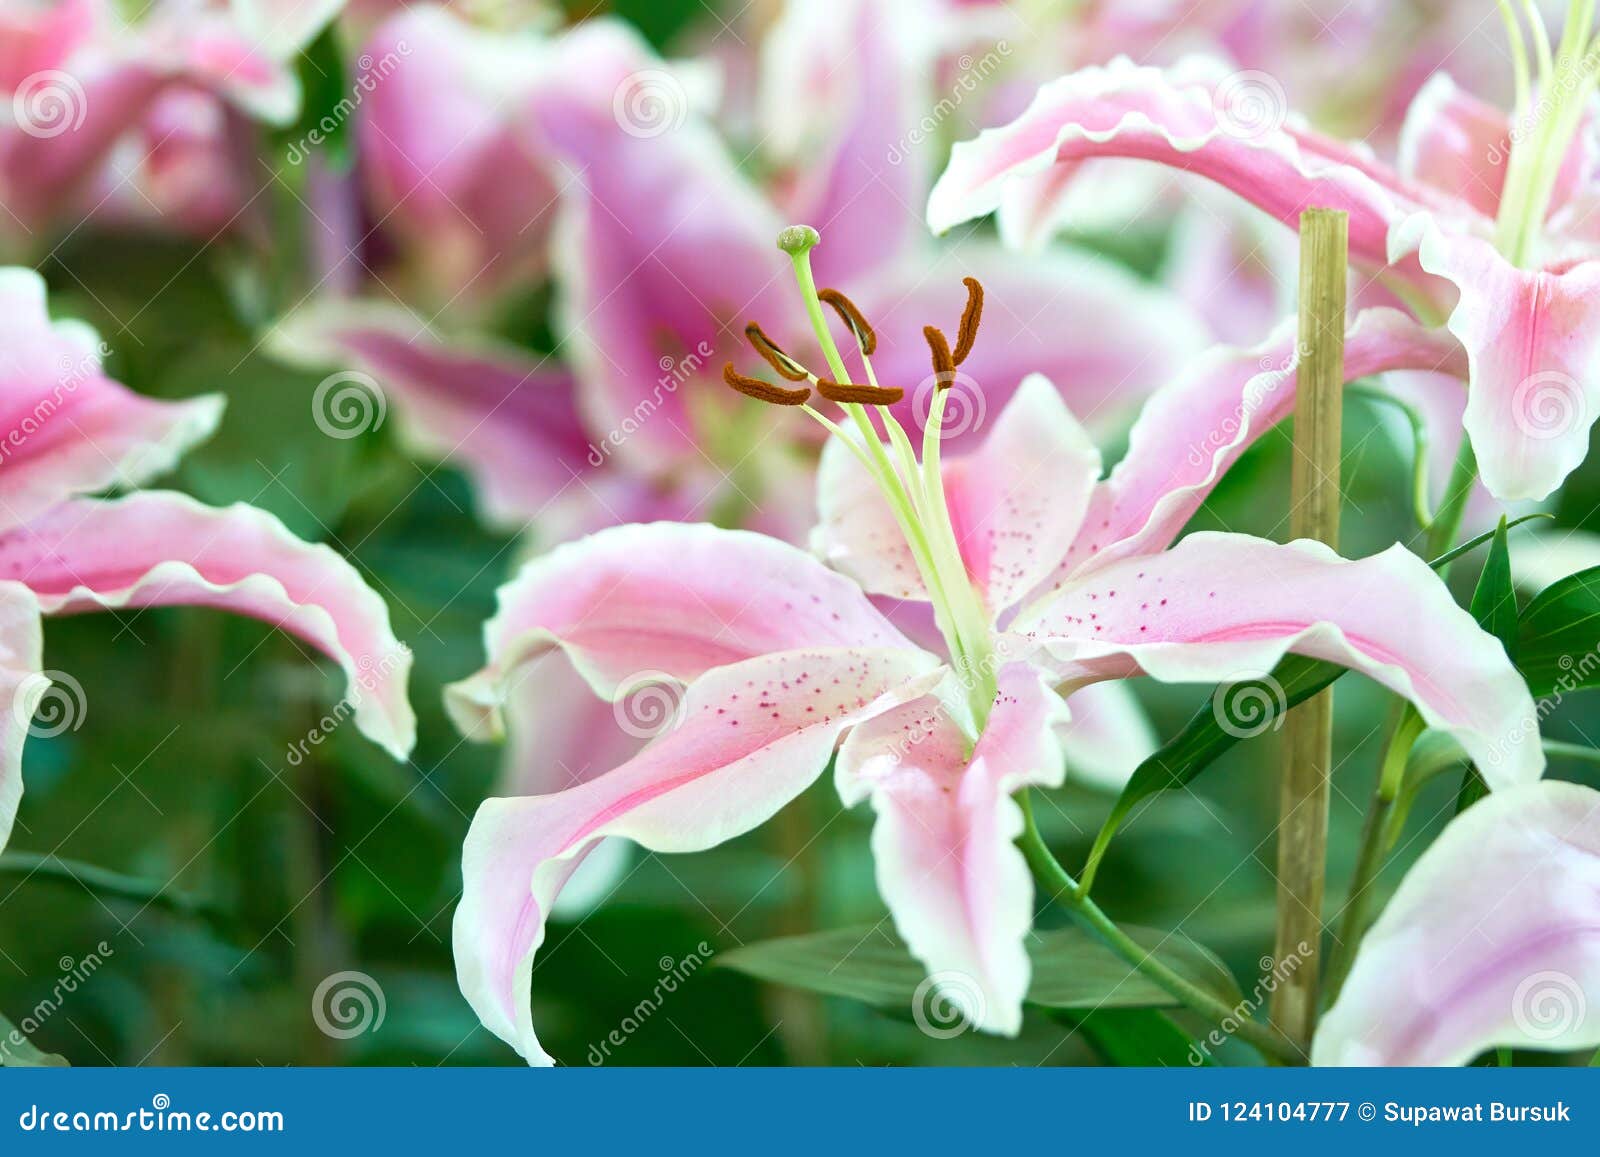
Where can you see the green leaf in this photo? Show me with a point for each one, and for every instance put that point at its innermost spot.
(17, 1052)
(1071, 968)
(1558, 636)
(1136, 1038)
(1494, 602)
(1236, 711)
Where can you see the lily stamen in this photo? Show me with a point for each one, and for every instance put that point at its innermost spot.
(764, 391)
(971, 318)
(849, 392)
(855, 321)
(774, 355)
(944, 364)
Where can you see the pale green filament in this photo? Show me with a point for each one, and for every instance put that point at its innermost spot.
(1545, 120)
(915, 494)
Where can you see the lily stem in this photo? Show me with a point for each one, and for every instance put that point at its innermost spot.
(1064, 890)
(1315, 496)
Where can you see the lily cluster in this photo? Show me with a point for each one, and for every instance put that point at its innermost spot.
(834, 532)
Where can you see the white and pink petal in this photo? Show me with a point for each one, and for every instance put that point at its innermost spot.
(1180, 117)
(1194, 429)
(1492, 939)
(1533, 353)
(944, 842)
(1222, 608)
(664, 602)
(160, 549)
(22, 685)
(66, 428)
(749, 738)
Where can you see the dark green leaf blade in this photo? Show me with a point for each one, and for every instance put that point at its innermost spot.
(1558, 636)
(1494, 601)
(1136, 1038)
(1071, 968)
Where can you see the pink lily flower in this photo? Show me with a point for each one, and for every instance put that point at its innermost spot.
(461, 205)
(67, 431)
(1490, 940)
(661, 251)
(1481, 225)
(783, 660)
(107, 108)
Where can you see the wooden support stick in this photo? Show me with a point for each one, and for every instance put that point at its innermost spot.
(1314, 493)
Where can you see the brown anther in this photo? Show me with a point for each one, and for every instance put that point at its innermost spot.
(970, 319)
(853, 319)
(944, 367)
(763, 391)
(773, 355)
(865, 395)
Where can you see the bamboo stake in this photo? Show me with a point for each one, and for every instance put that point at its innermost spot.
(1314, 494)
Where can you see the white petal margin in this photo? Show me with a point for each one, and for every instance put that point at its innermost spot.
(748, 739)
(156, 548)
(944, 843)
(1492, 939)
(22, 685)
(1220, 608)
(662, 601)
